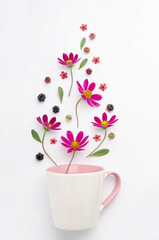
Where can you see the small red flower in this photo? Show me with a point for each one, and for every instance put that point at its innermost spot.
(83, 27)
(103, 87)
(92, 36)
(96, 60)
(63, 75)
(53, 141)
(97, 138)
(47, 80)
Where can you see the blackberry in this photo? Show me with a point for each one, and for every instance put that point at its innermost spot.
(41, 97)
(110, 107)
(56, 109)
(88, 71)
(39, 156)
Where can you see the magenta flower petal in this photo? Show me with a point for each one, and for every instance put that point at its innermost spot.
(76, 60)
(89, 102)
(84, 139)
(65, 57)
(112, 118)
(65, 140)
(96, 97)
(79, 136)
(56, 125)
(57, 128)
(113, 121)
(97, 120)
(65, 145)
(71, 56)
(84, 144)
(70, 150)
(85, 84)
(45, 119)
(94, 103)
(52, 120)
(76, 57)
(96, 125)
(91, 86)
(79, 149)
(61, 61)
(79, 86)
(109, 125)
(70, 136)
(39, 120)
(80, 91)
(104, 116)
(84, 97)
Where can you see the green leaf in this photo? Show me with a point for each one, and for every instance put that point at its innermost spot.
(35, 135)
(101, 152)
(60, 92)
(83, 41)
(83, 63)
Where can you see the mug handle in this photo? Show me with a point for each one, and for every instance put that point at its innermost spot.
(115, 190)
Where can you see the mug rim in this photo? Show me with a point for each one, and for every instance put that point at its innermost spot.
(84, 169)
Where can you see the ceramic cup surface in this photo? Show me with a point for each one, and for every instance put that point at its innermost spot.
(75, 198)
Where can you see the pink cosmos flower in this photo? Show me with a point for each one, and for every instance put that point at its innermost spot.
(86, 93)
(104, 123)
(103, 87)
(96, 60)
(69, 60)
(51, 125)
(74, 144)
(53, 141)
(83, 27)
(97, 138)
(63, 75)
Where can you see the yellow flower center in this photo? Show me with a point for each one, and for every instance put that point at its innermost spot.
(68, 61)
(104, 123)
(75, 144)
(88, 93)
(50, 125)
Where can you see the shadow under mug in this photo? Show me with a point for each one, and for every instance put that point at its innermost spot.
(75, 198)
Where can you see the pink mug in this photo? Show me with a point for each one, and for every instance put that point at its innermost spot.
(75, 198)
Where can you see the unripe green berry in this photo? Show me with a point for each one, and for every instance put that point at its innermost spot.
(111, 135)
(69, 117)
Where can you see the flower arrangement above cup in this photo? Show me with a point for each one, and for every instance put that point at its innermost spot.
(86, 90)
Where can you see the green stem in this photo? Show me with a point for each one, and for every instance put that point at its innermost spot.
(71, 81)
(76, 111)
(70, 161)
(45, 150)
(99, 144)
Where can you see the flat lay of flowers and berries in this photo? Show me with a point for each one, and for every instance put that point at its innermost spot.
(89, 92)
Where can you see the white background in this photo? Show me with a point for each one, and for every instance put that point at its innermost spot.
(32, 35)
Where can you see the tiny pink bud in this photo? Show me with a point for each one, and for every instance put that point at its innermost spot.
(92, 36)
(47, 80)
(88, 71)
